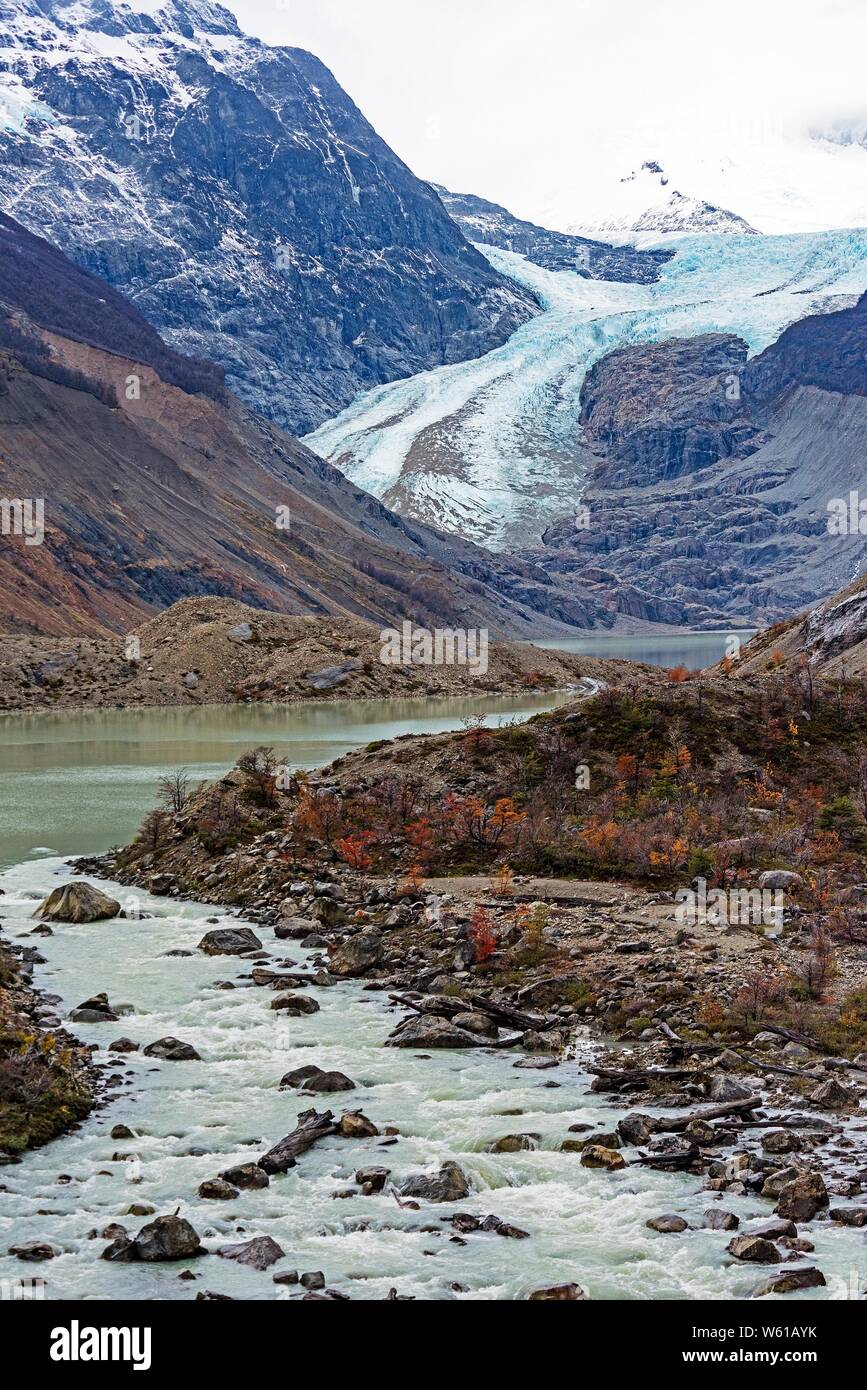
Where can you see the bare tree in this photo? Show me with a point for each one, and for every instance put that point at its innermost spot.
(174, 789)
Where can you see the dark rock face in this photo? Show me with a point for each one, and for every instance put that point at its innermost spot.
(275, 233)
(165, 1238)
(709, 500)
(822, 350)
(485, 222)
(666, 409)
(172, 1050)
(259, 1253)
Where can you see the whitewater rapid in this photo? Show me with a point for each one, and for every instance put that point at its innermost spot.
(491, 449)
(192, 1119)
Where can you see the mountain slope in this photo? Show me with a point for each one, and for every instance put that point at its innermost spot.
(235, 193)
(492, 225)
(153, 494)
(710, 496)
(832, 638)
(644, 202)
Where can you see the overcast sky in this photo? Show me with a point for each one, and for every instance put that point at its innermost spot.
(511, 100)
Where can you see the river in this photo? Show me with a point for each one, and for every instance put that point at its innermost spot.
(75, 782)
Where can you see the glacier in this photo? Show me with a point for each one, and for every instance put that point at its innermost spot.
(491, 449)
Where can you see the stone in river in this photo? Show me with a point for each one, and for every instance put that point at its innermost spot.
(558, 1293)
(354, 1125)
(755, 1249)
(259, 1253)
(77, 902)
(315, 1080)
(803, 1198)
(448, 1185)
(172, 1050)
(636, 1128)
(167, 1238)
(791, 1281)
(716, 1219)
(94, 1010)
(215, 1189)
(429, 1030)
(248, 1175)
(849, 1216)
(372, 1179)
(595, 1156)
(667, 1225)
(124, 1045)
(781, 1141)
(833, 1095)
(512, 1144)
(229, 941)
(34, 1251)
(295, 1005)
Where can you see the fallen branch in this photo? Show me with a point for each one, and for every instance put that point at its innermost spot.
(310, 1129)
(674, 1124)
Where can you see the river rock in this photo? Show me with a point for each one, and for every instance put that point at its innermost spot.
(833, 1095)
(259, 1253)
(357, 955)
(172, 1050)
(77, 902)
(295, 1004)
(791, 1281)
(803, 1198)
(430, 1030)
(781, 1141)
(34, 1251)
(512, 1144)
(294, 928)
(849, 1216)
(667, 1225)
(167, 1238)
(248, 1175)
(471, 1021)
(316, 1081)
(558, 1293)
(754, 1249)
(229, 941)
(724, 1088)
(448, 1185)
(715, 1219)
(215, 1189)
(354, 1125)
(596, 1156)
(372, 1179)
(636, 1128)
(94, 1010)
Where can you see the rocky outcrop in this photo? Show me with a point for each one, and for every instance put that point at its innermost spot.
(709, 503)
(450, 1184)
(77, 902)
(274, 232)
(492, 225)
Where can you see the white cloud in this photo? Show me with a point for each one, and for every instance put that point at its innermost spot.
(525, 103)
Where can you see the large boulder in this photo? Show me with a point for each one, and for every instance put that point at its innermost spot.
(429, 1030)
(448, 1185)
(229, 941)
(791, 1281)
(77, 902)
(315, 1080)
(597, 1156)
(94, 1010)
(357, 955)
(295, 1005)
(248, 1175)
(259, 1253)
(803, 1198)
(754, 1249)
(172, 1050)
(167, 1238)
(833, 1095)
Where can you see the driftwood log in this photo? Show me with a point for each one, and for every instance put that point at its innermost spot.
(310, 1129)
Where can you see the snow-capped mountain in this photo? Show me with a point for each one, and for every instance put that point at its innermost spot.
(645, 203)
(237, 195)
(775, 181)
